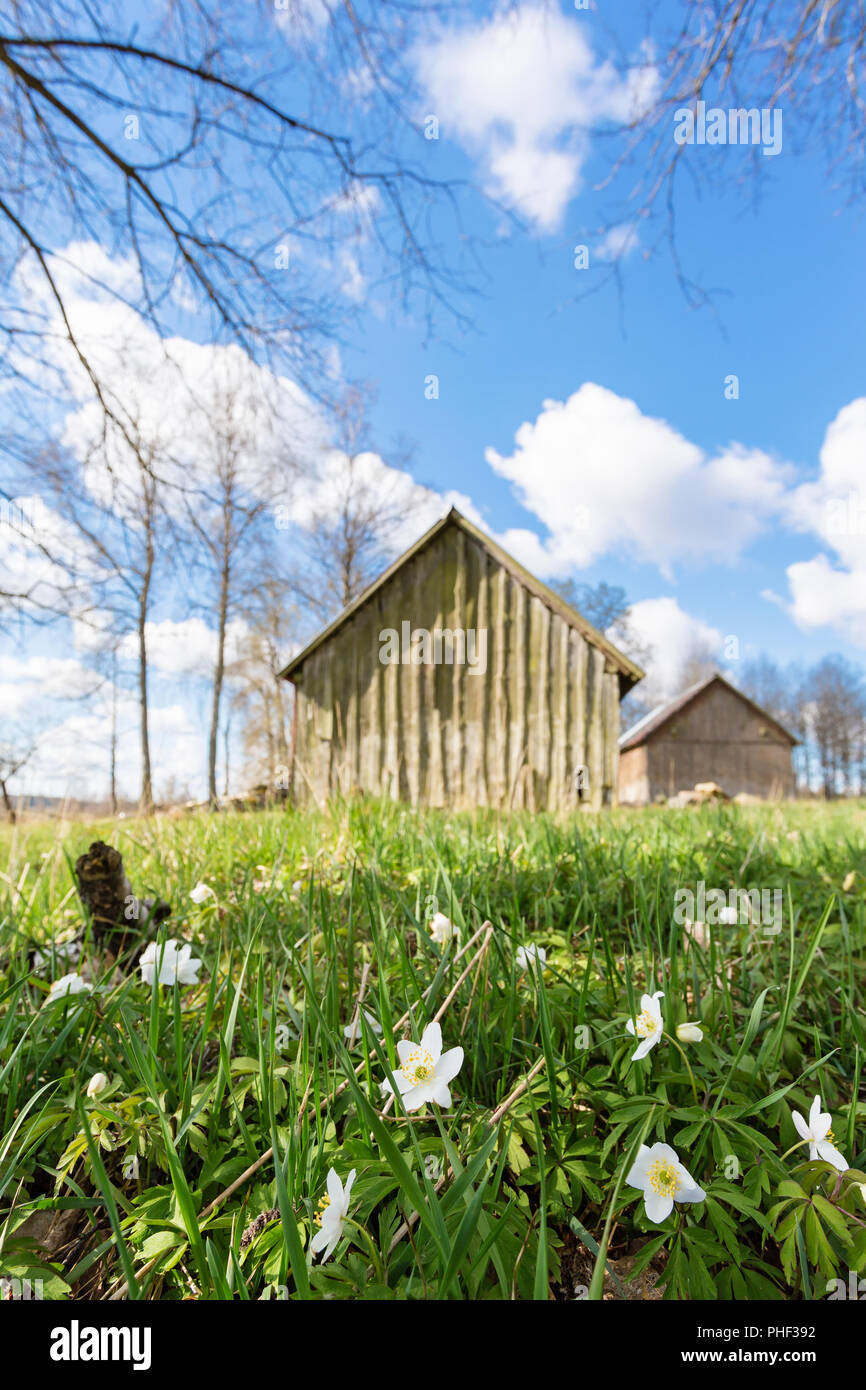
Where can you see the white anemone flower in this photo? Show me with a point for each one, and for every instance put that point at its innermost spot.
(648, 1024)
(352, 1031)
(442, 929)
(177, 965)
(66, 985)
(425, 1071)
(331, 1213)
(690, 1032)
(663, 1180)
(202, 892)
(528, 957)
(97, 1084)
(64, 950)
(819, 1134)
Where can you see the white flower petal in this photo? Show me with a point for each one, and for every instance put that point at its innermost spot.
(431, 1040)
(449, 1064)
(335, 1191)
(658, 1206)
(638, 1171)
(831, 1155)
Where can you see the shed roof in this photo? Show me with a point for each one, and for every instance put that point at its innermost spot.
(651, 723)
(629, 671)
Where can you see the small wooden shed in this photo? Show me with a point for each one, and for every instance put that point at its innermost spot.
(458, 679)
(710, 733)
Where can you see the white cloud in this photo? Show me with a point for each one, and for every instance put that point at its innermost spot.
(320, 495)
(30, 680)
(298, 19)
(73, 755)
(174, 391)
(523, 91)
(618, 242)
(603, 477)
(31, 533)
(675, 640)
(185, 648)
(827, 592)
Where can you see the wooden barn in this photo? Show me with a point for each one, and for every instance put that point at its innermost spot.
(458, 679)
(710, 733)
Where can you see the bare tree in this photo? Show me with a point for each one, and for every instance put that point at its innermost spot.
(837, 723)
(17, 747)
(242, 466)
(155, 142)
(800, 59)
(262, 700)
(358, 509)
(121, 521)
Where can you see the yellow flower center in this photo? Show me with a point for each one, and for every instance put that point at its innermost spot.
(829, 1137)
(418, 1066)
(324, 1203)
(645, 1024)
(662, 1177)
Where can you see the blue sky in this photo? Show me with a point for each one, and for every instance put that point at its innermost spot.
(698, 505)
(788, 280)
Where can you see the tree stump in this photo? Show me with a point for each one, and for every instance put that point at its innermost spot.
(119, 917)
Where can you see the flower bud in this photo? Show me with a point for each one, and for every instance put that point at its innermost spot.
(689, 1033)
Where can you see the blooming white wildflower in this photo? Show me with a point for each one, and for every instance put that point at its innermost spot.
(177, 965)
(663, 1180)
(819, 1134)
(68, 984)
(425, 1071)
(202, 892)
(442, 929)
(352, 1031)
(528, 957)
(331, 1213)
(648, 1024)
(97, 1084)
(64, 951)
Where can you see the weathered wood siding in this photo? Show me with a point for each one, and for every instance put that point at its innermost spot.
(538, 728)
(716, 738)
(634, 787)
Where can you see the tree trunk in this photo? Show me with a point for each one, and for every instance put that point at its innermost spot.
(146, 778)
(114, 734)
(219, 672)
(10, 809)
(226, 732)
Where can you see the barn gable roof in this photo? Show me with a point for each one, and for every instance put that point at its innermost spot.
(657, 718)
(628, 670)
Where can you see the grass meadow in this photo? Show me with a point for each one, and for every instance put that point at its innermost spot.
(196, 1166)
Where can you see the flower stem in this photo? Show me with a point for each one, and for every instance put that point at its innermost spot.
(688, 1067)
(368, 1241)
(798, 1145)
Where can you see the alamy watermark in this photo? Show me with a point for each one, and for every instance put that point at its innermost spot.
(855, 1288)
(738, 906)
(26, 515)
(441, 646)
(713, 125)
(17, 1290)
(77, 1343)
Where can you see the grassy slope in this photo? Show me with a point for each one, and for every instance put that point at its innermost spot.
(204, 1081)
